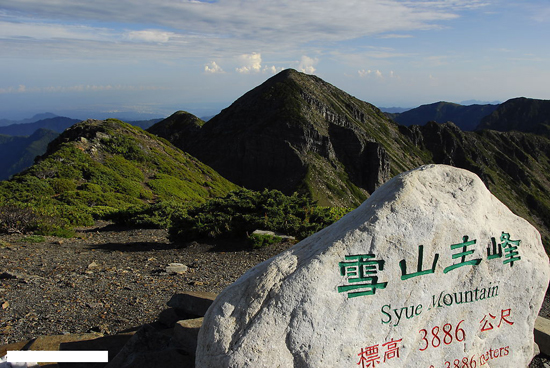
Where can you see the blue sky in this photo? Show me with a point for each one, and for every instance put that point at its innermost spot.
(80, 58)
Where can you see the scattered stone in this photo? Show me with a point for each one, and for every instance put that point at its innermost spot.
(185, 334)
(431, 270)
(100, 329)
(192, 302)
(176, 269)
(5, 305)
(94, 305)
(6, 330)
(21, 277)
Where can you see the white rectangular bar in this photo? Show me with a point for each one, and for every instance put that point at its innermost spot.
(67, 356)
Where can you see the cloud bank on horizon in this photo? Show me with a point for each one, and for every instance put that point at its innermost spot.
(159, 55)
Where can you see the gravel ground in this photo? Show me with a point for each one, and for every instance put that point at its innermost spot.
(108, 280)
(112, 279)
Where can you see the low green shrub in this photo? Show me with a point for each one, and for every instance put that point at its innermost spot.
(243, 211)
(263, 240)
(17, 219)
(33, 239)
(153, 216)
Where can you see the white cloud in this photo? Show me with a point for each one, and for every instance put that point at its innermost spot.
(272, 69)
(220, 28)
(307, 64)
(149, 35)
(78, 88)
(42, 31)
(364, 73)
(435, 60)
(252, 63)
(542, 14)
(213, 68)
(377, 73)
(396, 36)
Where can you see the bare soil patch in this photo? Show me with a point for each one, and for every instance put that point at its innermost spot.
(109, 279)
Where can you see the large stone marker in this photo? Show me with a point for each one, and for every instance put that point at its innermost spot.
(431, 271)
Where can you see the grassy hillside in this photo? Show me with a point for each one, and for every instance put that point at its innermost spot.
(98, 167)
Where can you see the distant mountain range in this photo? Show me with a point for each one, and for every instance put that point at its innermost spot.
(35, 118)
(295, 133)
(18, 153)
(520, 114)
(57, 124)
(465, 117)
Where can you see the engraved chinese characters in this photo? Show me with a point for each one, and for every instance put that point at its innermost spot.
(431, 271)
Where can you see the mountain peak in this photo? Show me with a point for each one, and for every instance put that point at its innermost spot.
(296, 132)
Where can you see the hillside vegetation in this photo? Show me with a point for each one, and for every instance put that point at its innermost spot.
(96, 168)
(300, 146)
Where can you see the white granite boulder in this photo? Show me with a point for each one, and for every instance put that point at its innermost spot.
(431, 271)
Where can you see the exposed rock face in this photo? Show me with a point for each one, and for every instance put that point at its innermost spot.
(430, 270)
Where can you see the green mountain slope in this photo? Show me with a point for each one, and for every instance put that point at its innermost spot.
(96, 167)
(18, 153)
